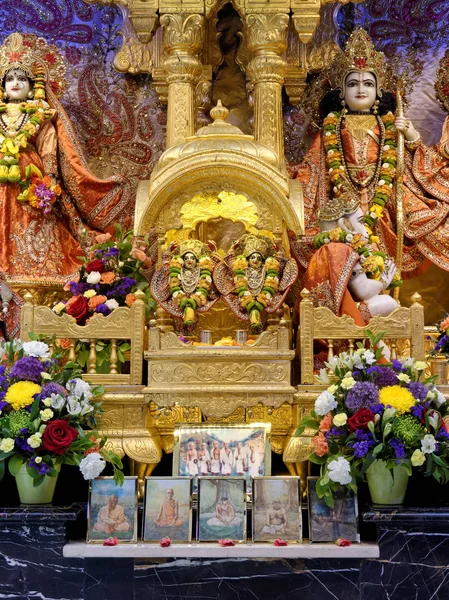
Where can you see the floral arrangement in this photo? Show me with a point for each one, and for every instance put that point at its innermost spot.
(372, 261)
(377, 411)
(48, 415)
(108, 280)
(255, 302)
(42, 192)
(338, 173)
(441, 347)
(198, 298)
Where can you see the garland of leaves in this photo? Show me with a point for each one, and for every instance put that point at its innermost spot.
(188, 304)
(386, 168)
(250, 302)
(372, 262)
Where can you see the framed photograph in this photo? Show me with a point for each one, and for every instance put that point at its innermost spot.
(222, 451)
(112, 510)
(167, 509)
(221, 509)
(276, 509)
(328, 524)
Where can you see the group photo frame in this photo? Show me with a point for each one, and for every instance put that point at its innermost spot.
(327, 524)
(222, 450)
(276, 509)
(167, 510)
(112, 510)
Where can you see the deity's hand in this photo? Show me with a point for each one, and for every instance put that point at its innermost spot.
(389, 272)
(406, 126)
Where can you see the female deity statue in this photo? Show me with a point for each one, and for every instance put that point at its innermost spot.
(352, 163)
(49, 201)
(183, 285)
(254, 279)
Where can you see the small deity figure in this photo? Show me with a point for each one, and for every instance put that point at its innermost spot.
(204, 459)
(168, 512)
(275, 519)
(111, 517)
(183, 284)
(224, 515)
(240, 459)
(255, 278)
(49, 200)
(192, 459)
(353, 161)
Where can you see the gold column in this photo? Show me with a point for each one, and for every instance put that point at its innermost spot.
(183, 36)
(267, 40)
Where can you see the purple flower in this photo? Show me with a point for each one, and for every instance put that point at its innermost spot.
(363, 395)
(42, 468)
(23, 445)
(103, 309)
(443, 434)
(418, 390)
(27, 368)
(52, 388)
(334, 432)
(418, 411)
(78, 289)
(399, 449)
(386, 377)
(361, 449)
(3, 405)
(377, 409)
(112, 252)
(398, 366)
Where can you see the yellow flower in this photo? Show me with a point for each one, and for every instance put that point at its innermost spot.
(377, 210)
(340, 419)
(6, 445)
(334, 234)
(89, 294)
(418, 458)
(397, 397)
(21, 394)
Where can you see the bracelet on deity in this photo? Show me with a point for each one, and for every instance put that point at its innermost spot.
(413, 144)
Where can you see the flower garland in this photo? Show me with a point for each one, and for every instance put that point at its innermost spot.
(385, 172)
(254, 303)
(372, 262)
(14, 143)
(198, 298)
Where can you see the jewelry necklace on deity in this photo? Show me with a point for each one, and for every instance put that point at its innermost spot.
(13, 119)
(255, 279)
(190, 278)
(353, 184)
(358, 125)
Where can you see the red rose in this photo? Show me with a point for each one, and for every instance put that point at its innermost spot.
(360, 419)
(342, 542)
(78, 309)
(95, 265)
(165, 542)
(58, 436)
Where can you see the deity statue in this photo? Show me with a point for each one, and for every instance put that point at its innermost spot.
(183, 284)
(255, 278)
(352, 163)
(49, 200)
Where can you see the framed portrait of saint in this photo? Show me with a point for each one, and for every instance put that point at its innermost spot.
(276, 509)
(221, 509)
(328, 524)
(167, 509)
(226, 450)
(112, 510)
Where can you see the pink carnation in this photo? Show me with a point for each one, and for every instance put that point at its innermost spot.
(326, 423)
(320, 446)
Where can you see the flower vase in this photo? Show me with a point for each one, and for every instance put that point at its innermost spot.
(439, 367)
(387, 486)
(42, 494)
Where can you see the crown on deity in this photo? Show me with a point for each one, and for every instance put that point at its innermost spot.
(359, 55)
(336, 208)
(196, 247)
(40, 61)
(250, 243)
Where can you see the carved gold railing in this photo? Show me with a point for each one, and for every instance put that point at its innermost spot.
(322, 324)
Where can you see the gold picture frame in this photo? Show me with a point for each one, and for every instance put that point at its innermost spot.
(112, 510)
(276, 509)
(174, 520)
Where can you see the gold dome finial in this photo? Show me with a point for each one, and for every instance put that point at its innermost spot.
(219, 112)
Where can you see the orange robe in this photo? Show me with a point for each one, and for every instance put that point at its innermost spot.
(425, 201)
(37, 247)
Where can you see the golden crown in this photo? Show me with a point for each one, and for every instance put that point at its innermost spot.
(359, 55)
(196, 247)
(34, 57)
(250, 243)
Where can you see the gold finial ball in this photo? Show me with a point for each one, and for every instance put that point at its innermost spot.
(219, 112)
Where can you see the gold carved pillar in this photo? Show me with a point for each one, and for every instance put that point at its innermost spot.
(267, 40)
(183, 36)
